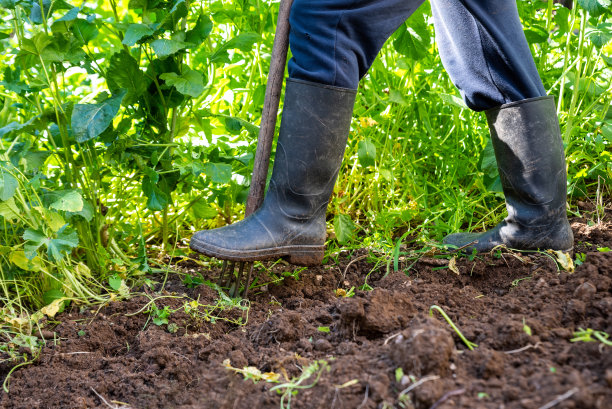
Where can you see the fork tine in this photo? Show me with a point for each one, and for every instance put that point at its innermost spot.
(220, 280)
(248, 280)
(230, 274)
(235, 287)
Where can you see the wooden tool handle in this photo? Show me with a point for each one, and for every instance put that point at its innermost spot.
(270, 108)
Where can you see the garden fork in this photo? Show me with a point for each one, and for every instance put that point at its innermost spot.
(228, 277)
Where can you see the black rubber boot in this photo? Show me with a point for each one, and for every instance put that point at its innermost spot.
(531, 162)
(291, 221)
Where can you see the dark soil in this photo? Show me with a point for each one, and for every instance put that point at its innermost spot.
(105, 359)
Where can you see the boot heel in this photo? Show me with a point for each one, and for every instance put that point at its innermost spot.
(306, 257)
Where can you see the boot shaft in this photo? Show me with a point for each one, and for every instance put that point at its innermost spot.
(530, 158)
(313, 133)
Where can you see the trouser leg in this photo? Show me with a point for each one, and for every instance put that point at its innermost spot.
(481, 44)
(485, 52)
(334, 42)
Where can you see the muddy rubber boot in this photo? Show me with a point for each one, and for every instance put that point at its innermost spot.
(291, 221)
(531, 162)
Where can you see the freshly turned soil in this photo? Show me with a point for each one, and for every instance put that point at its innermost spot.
(104, 358)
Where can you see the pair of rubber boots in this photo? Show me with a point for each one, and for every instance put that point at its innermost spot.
(314, 129)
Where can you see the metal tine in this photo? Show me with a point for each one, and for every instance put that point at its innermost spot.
(230, 274)
(235, 287)
(248, 280)
(220, 280)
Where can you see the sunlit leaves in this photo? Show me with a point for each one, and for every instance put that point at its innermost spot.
(344, 228)
(601, 35)
(90, 120)
(67, 200)
(596, 7)
(63, 241)
(201, 30)
(366, 153)
(190, 82)
(8, 185)
(243, 42)
(136, 32)
(218, 172)
(164, 47)
(123, 73)
(412, 38)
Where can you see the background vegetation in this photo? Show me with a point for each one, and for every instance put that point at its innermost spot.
(125, 127)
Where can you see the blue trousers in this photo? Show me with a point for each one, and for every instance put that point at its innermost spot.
(481, 44)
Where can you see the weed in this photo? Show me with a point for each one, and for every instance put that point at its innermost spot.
(590, 335)
(290, 389)
(469, 344)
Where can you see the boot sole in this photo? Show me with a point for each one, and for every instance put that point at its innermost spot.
(301, 255)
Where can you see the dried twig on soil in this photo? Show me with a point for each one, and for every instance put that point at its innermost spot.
(106, 402)
(351, 262)
(445, 397)
(525, 348)
(419, 383)
(559, 399)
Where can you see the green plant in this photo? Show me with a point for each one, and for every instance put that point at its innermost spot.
(590, 335)
(290, 389)
(469, 344)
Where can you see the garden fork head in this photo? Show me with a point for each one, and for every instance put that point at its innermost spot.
(232, 279)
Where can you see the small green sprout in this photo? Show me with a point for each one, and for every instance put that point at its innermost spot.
(292, 387)
(580, 258)
(483, 395)
(586, 335)
(323, 329)
(160, 317)
(526, 328)
(399, 374)
(552, 369)
(469, 344)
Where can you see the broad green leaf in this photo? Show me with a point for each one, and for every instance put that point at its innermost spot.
(489, 163)
(53, 295)
(12, 127)
(218, 172)
(232, 125)
(20, 260)
(344, 228)
(397, 97)
(601, 35)
(412, 38)
(201, 30)
(115, 281)
(452, 100)
(64, 241)
(8, 185)
(68, 200)
(536, 34)
(156, 199)
(87, 212)
(83, 30)
(90, 120)
(243, 42)
(366, 152)
(135, 32)
(188, 83)
(202, 210)
(123, 73)
(71, 15)
(9, 210)
(596, 7)
(164, 47)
